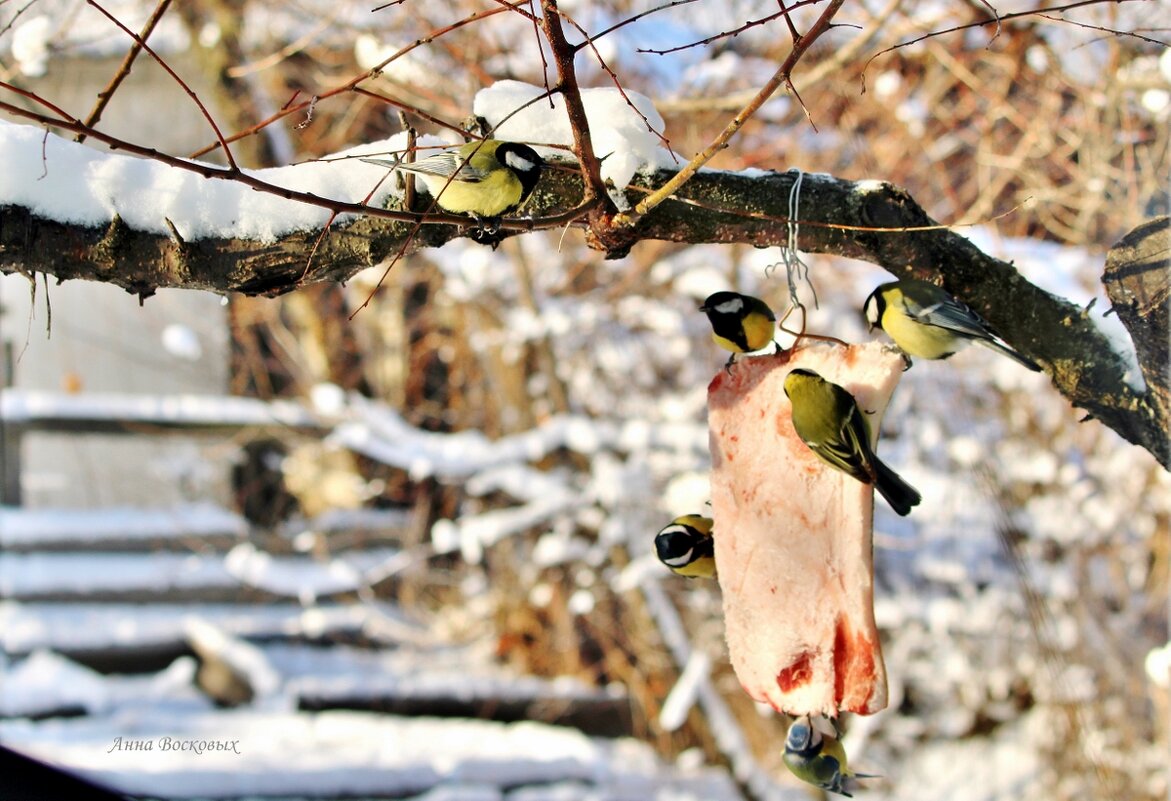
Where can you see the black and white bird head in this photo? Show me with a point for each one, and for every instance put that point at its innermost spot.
(524, 163)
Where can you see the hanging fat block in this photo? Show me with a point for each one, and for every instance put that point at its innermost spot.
(793, 536)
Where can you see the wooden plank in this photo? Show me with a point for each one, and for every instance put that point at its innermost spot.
(113, 528)
(118, 413)
(243, 574)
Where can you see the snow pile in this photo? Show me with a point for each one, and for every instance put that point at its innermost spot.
(71, 183)
(341, 754)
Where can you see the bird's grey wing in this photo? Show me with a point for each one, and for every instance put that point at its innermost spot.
(445, 164)
(847, 451)
(952, 315)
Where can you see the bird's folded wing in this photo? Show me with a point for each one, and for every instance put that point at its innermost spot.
(445, 165)
(953, 316)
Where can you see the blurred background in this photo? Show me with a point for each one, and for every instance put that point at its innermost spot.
(409, 553)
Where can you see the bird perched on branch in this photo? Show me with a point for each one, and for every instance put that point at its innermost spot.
(818, 757)
(827, 419)
(925, 320)
(485, 178)
(686, 546)
(740, 323)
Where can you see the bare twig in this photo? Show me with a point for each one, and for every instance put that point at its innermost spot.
(752, 23)
(190, 92)
(541, 53)
(614, 77)
(16, 16)
(390, 101)
(373, 72)
(789, 20)
(634, 18)
(1111, 31)
(995, 14)
(1039, 12)
(106, 94)
(815, 74)
(721, 141)
(408, 157)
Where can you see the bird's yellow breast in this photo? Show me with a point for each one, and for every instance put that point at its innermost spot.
(703, 567)
(917, 339)
(491, 197)
(759, 331)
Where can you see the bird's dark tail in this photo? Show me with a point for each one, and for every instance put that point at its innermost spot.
(898, 493)
(1000, 347)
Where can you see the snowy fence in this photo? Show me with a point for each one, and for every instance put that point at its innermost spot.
(23, 412)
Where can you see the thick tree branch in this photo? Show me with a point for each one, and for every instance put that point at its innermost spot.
(870, 221)
(1138, 283)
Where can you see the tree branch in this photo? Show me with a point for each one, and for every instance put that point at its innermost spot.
(869, 220)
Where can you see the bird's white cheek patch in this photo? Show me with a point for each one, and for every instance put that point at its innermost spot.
(519, 163)
(732, 306)
(793, 541)
(871, 311)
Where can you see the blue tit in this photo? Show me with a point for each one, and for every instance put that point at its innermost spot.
(485, 179)
(818, 758)
(740, 323)
(686, 546)
(925, 321)
(828, 420)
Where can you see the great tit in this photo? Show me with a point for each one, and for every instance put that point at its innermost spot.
(818, 758)
(686, 546)
(740, 323)
(486, 178)
(924, 320)
(828, 420)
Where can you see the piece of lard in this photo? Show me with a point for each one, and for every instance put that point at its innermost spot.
(793, 536)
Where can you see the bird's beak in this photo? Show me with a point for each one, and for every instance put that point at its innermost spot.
(703, 308)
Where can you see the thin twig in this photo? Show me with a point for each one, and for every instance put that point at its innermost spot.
(390, 101)
(1111, 31)
(373, 72)
(617, 84)
(635, 18)
(752, 23)
(16, 16)
(541, 53)
(409, 157)
(190, 92)
(106, 94)
(996, 14)
(721, 141)
(789, 20)
(1040, 12)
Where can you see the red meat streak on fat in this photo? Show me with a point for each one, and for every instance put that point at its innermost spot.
(852, 655)
(796, 674)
